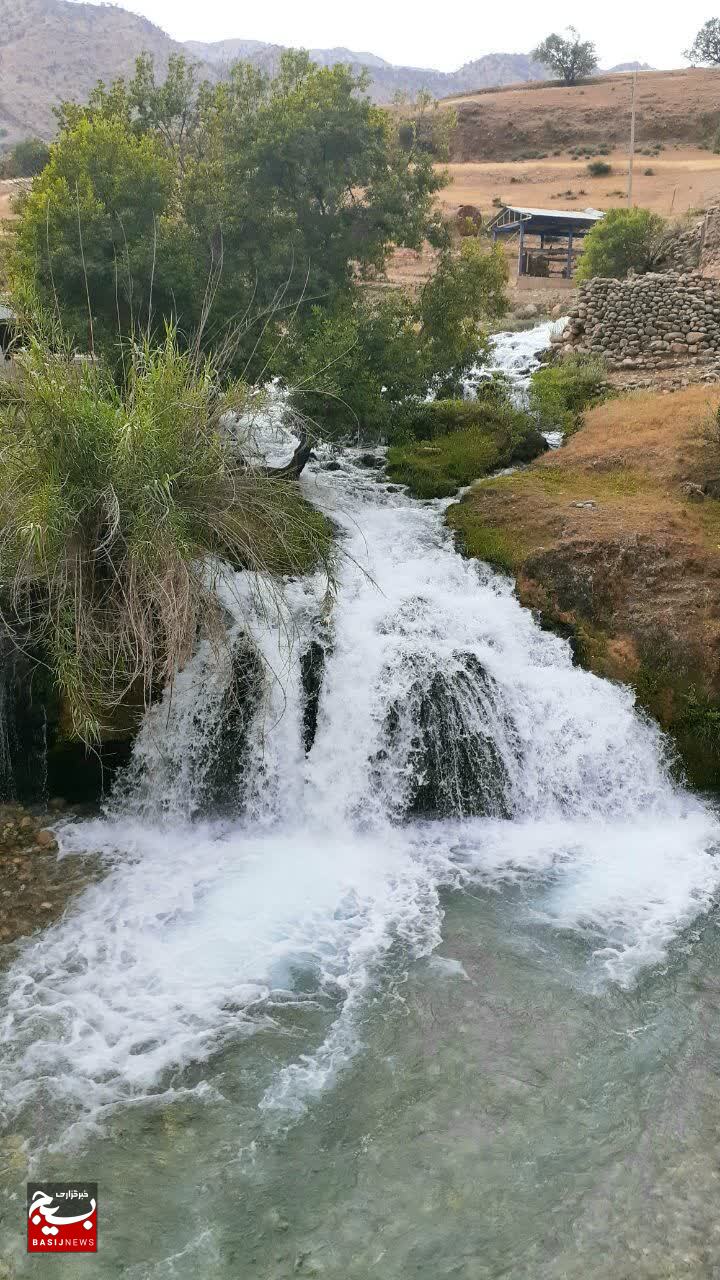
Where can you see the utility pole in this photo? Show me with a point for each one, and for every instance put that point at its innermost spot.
(632, 144)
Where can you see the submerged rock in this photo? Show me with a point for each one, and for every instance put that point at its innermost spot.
(445, 733)
(312, 670)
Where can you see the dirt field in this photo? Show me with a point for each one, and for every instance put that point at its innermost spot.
(682, 178)
(8, 191)
(5, 199)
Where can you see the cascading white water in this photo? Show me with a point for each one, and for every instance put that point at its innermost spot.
(454, 744)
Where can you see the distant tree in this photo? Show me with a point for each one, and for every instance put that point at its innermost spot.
(706, 45)
(571, 59)
(624, 240)
(26, 159)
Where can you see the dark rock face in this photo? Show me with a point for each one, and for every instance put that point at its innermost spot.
(312, 670)
(532, 444)
(225, 746)
(36, 759)
(23, 726)
(442, 743)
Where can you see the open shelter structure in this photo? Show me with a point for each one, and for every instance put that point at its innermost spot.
(549, 240)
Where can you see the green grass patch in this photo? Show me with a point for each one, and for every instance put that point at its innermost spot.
(575, 485)
(497, 547)
(561, 392)
(437, 469)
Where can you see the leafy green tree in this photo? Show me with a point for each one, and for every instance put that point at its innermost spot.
(466, 290)
(169, 109)
(224, 208)
(353, 366)
(705, 48)
(571, 59)
(307, 180)
(95, 230)
(624, 240)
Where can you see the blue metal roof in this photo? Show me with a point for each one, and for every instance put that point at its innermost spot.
(559, 221)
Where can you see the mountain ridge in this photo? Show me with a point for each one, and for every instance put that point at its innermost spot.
(386, 78)
(51, 50)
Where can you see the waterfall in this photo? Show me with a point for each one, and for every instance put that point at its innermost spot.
(290, 822)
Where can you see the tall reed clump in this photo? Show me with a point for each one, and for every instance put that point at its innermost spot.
(122, 501)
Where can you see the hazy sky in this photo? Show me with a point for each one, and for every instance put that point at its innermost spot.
(431, 36)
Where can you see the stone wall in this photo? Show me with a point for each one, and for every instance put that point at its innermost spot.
(710, 243)
(647, 321)
(691, 244)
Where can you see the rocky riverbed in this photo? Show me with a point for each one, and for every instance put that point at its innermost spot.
(36, 884)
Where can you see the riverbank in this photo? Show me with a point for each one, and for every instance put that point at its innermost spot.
(615, 540)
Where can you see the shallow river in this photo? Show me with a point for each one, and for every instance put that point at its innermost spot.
(414, 971)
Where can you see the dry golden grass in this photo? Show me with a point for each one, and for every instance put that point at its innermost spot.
(638, 459)
(613, 540)
(672, 107)
(683, 178)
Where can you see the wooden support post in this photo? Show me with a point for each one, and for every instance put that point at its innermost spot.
(521, 251)
(631, 158)
(569, 257)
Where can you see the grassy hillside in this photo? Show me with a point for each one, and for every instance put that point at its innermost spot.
(615, 538)
(534, 119)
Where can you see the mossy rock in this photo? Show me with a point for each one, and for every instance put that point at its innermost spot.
(459, 441)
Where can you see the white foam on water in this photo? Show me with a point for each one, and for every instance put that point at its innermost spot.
(434, 677)
(193, 939)
(516, 356)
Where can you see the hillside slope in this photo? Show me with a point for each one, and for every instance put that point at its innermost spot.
(53, 49)
(672, 106)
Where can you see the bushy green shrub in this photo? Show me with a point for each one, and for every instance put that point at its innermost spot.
(599, 168)
(561, 392)
(26, 159)
(353, 365)
(427, 419)
(624, 239)
(115, 504)
(456, 441)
